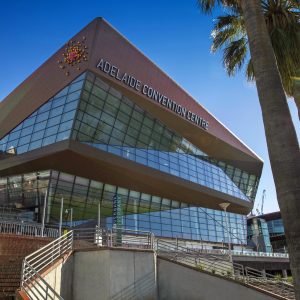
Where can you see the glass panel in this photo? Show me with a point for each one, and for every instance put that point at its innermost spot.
(48, 124)
(114, 123)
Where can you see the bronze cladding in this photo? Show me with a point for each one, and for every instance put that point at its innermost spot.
(105, 42)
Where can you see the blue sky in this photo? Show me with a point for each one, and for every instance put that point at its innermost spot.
(174, 34)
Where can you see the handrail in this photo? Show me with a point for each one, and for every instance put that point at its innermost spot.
(43, 287)
(31, 281)
(26, 229)
(246, 253)
(206, 262)
(115, 237)
(37, 288)
(222, 266)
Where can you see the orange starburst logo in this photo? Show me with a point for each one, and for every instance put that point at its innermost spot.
(74, 54)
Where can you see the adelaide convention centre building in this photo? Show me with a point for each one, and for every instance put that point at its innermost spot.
(99, 121)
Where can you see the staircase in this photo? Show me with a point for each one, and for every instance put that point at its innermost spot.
(10, 268)
(222, 266)
(13, 249)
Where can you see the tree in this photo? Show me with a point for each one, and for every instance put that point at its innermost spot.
(283, 24)
(280, 133)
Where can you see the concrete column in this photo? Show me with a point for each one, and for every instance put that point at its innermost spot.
(263, 272)
(284, 273)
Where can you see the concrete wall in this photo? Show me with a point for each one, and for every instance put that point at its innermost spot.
(130, 274)
(114, 274)
(180, 283)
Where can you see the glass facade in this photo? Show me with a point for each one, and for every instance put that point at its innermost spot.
(111, 122)
(164, 217)
(258, 233)
(51, 123)
(92, 112)
(107, 120)
(24, 194)
(275, 227)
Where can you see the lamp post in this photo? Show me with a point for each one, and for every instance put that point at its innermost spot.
(61, 215)
(44, 213)
(224, 207)
(71, 215)
(99, 215)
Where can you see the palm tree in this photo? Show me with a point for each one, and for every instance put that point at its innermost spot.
(280, 133)
(283, 24)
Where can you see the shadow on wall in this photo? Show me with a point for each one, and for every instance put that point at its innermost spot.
(66, 286)
(143, 287)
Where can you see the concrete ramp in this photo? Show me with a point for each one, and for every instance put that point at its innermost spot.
(179, 282)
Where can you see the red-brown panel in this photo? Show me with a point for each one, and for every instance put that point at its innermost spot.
(103, 41)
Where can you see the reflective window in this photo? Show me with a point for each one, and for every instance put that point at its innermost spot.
(50, 123)
(111, 122)
(140, 211)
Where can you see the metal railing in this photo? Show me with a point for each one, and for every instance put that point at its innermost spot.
(31, 281)
(37, 288)
(269, 282)
(246, 253)
(260, 254)
(222, 266)
(21, 228)
(125, 238)
(206, 262)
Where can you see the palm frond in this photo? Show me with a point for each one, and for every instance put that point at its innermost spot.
(227, 28)
(232, 20)
(286, 45)
(283, 22)
(234, 56)
(207, 6)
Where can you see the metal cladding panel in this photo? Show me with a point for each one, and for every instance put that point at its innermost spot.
(103, 41)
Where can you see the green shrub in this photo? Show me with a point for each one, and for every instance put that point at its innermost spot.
(278, 276)
(290, 279)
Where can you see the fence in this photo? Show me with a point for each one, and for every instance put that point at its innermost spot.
(20, 228)
(115, 237)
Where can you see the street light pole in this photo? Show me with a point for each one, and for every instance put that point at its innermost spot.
(67, 212)
(61, 215)
(224, 207)
(71, 217)
(44, 213)
(99, 215)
